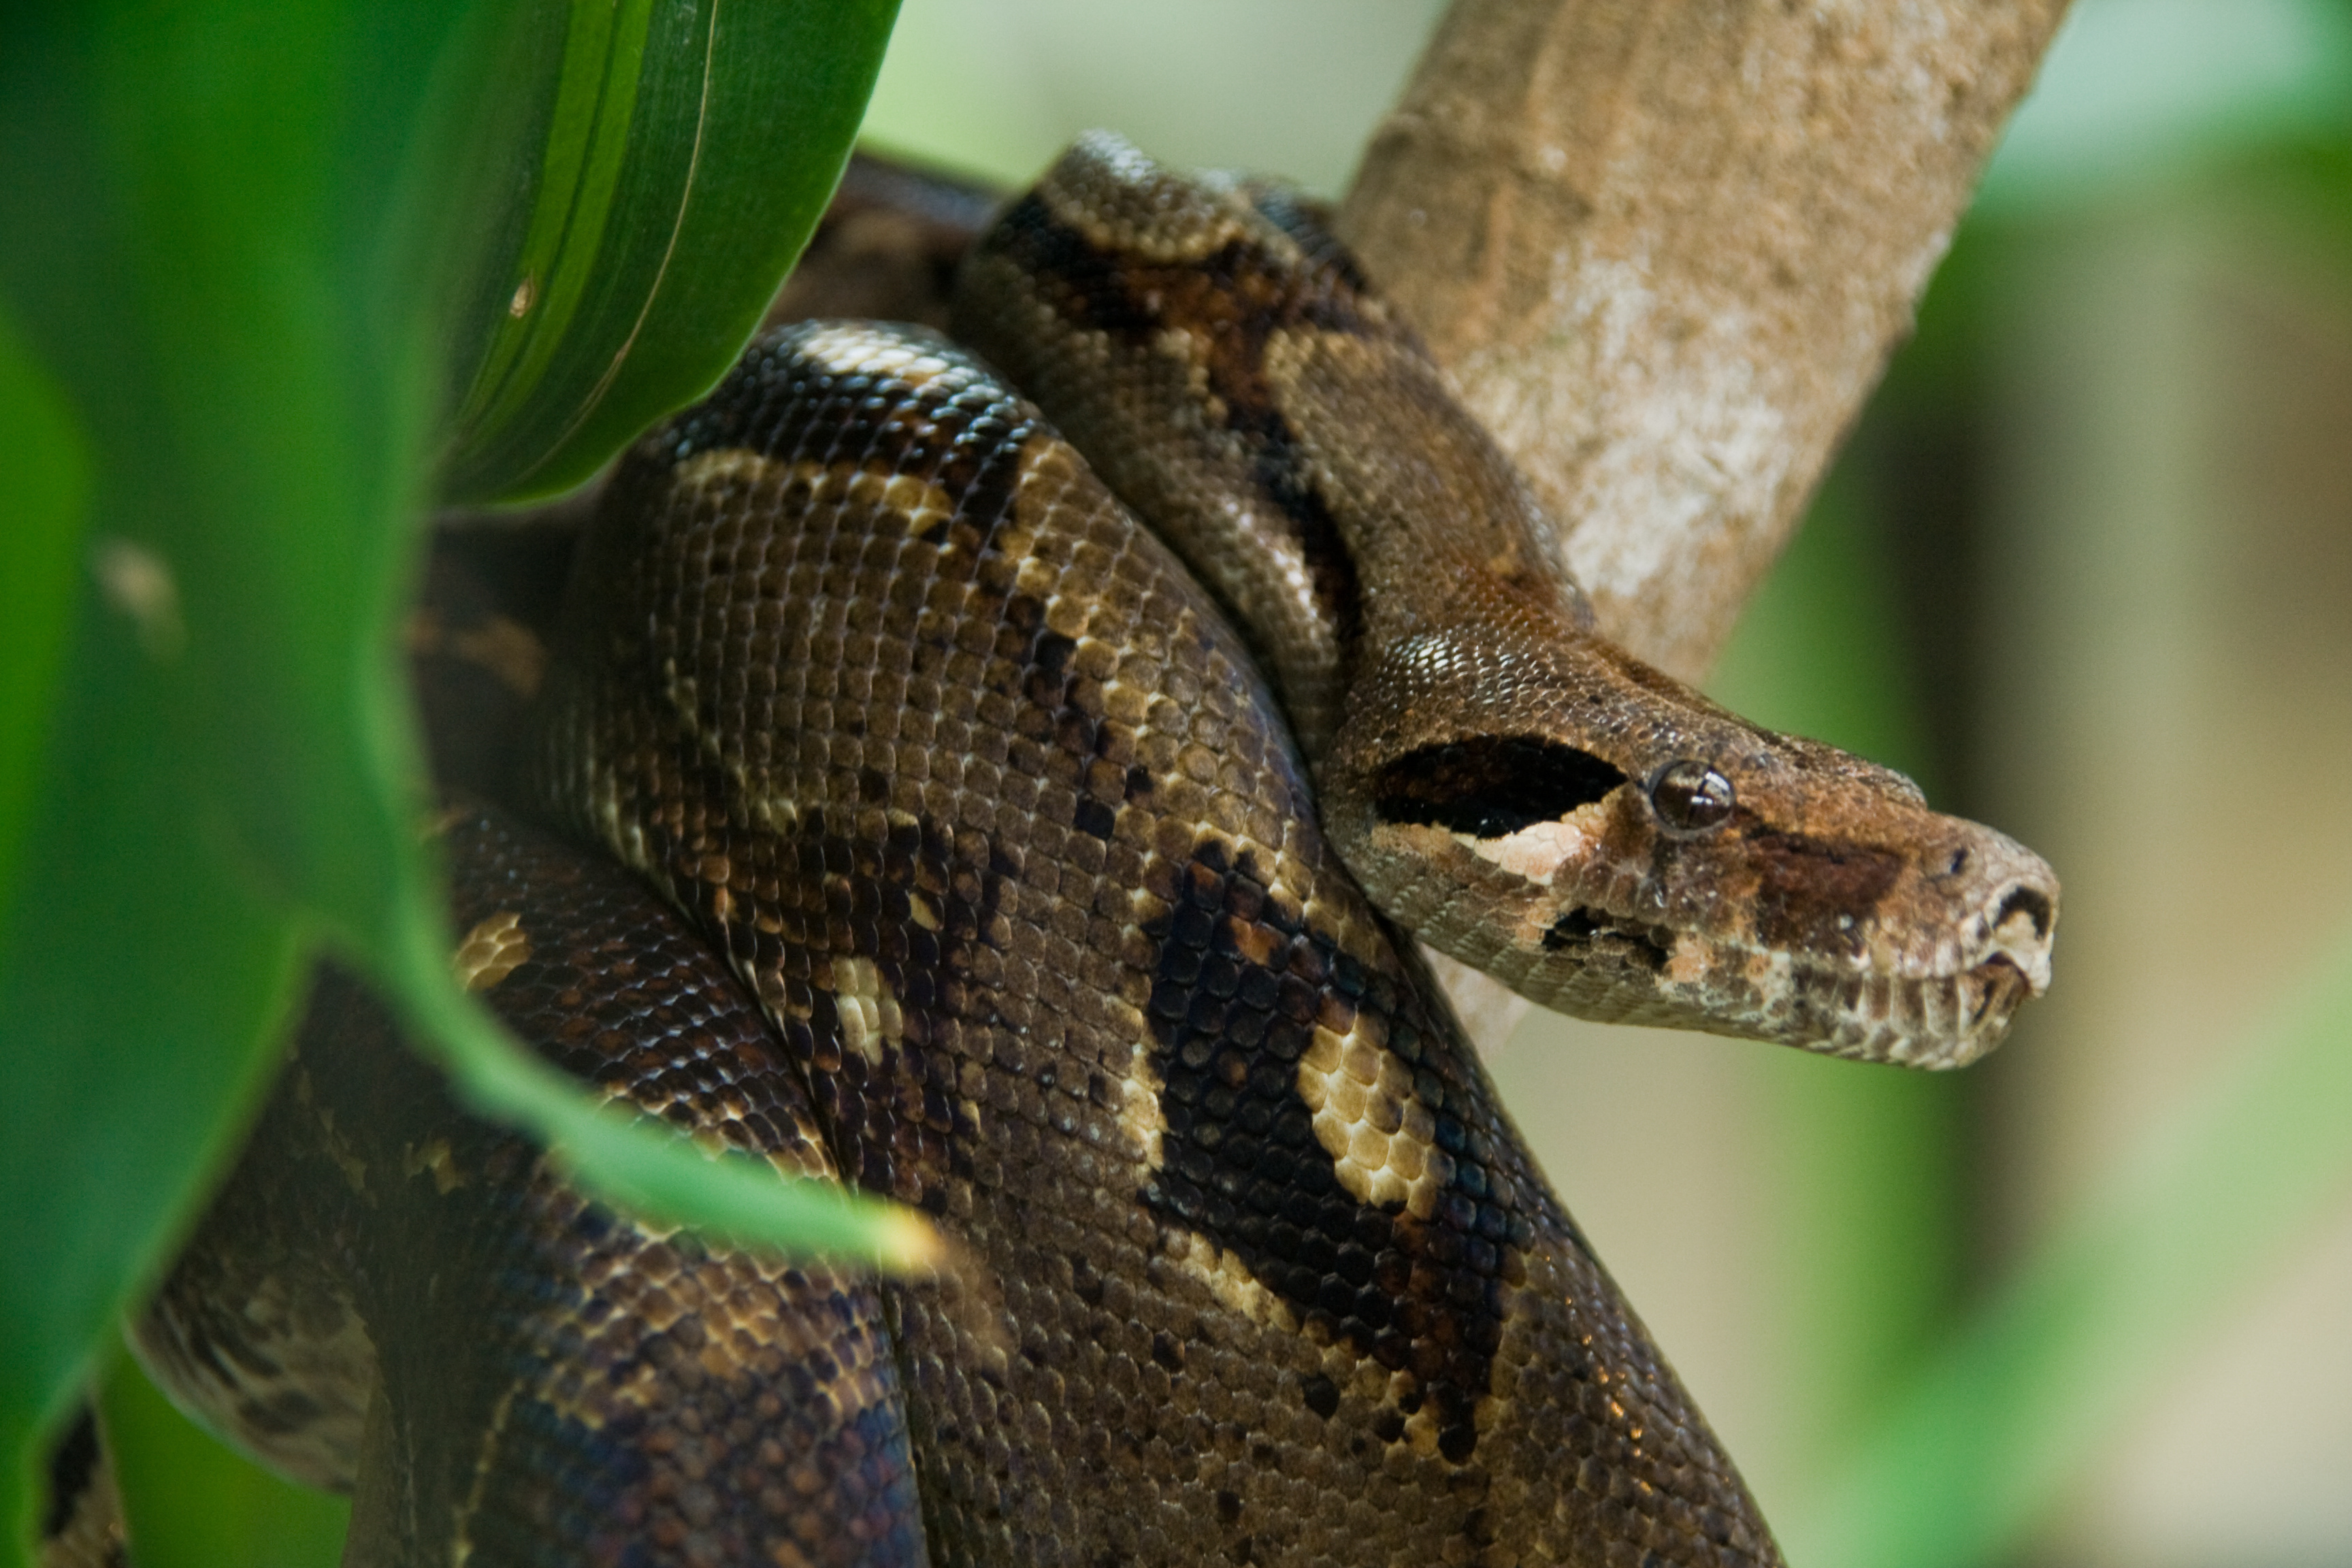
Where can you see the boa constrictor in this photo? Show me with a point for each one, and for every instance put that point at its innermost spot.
(970, 859)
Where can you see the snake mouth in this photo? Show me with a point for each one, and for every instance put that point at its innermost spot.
(1990, 994)
(1938, 993)
(1587, 929)
(1936, 1022)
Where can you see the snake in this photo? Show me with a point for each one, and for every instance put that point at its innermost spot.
(899, 809)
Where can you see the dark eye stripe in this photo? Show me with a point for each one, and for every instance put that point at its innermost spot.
(1491, 785)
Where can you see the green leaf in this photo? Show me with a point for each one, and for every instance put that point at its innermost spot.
(185, 199)
(687, 152)
(141, 983)
(44, 475)
(45, 472)
(236, 241)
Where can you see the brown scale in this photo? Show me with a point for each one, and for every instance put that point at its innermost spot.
(982, 799)
(1112, 250)
(525, 1377)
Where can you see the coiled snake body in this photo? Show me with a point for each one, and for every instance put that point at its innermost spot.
(1029, 918)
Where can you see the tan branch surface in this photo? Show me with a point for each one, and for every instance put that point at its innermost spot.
(1665, 247)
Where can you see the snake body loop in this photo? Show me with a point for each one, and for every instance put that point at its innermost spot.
(975, 863)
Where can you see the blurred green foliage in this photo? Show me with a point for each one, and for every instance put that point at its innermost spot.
(250, 256)
(1939, 1437)
(1993, 1421)
(1869, 1240)
(48, 478)
(1957, 1464)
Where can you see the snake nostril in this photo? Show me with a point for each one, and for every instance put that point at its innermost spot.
(2030, 902)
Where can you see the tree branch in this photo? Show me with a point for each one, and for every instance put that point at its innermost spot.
(1665, 247)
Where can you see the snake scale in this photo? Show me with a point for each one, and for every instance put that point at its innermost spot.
(955, 844)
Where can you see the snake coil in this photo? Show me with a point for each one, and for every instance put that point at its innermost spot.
(955, 845)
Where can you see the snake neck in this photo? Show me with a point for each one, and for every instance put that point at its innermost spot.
(1522, 794)
(1235, 380)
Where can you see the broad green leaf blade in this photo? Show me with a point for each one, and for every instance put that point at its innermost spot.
(689, 147)
(219, 245)
(1985, 1438)
(143, 965)
(141, 983)
(44, 503)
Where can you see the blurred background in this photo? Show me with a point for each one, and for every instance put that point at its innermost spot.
(2085, 571)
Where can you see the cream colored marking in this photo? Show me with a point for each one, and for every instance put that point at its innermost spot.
(461, 1545)
(1235, 1288)
(1539, 851)
(729, 465)
(1139, 1116)
(526, 293)
(1421, 1428)
(856, 349)
(435, 1157)
(868, 1008)
(139, 582)
(1368, 1119)
(1178, 346)
(493, 950)
(922, 504)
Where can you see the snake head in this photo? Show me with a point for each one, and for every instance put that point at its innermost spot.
(1610, 844)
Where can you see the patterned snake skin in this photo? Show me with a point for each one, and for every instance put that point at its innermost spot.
(969, 860)
(1518, 792)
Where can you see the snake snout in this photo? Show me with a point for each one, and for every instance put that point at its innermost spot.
(1995, 901)
(2018, 926)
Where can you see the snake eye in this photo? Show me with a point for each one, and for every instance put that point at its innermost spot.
(1691, 798)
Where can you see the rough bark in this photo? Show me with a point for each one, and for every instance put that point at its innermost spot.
(1667, 245)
